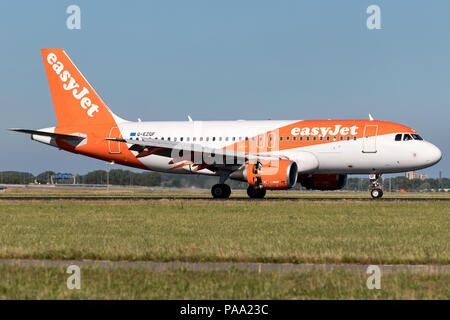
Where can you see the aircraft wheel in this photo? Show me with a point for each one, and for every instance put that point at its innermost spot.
(376, 193)
(227, 191)
(221, 191)
(262, 193)
(256, 193)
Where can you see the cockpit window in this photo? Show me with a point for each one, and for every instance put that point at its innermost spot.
(407, 137)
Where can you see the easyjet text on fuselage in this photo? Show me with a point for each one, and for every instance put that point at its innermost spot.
(338, 129)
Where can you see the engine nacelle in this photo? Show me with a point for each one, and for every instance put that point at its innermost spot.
(323, 181)
(272, 175)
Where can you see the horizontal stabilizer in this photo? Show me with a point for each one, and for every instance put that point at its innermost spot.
(69, 137)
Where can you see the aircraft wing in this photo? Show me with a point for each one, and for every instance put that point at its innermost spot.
(198, 154)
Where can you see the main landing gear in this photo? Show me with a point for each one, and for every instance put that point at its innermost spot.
(376, 189)
(256, 193)
(221, 191)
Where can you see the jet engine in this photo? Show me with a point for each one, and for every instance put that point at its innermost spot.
(268, 174)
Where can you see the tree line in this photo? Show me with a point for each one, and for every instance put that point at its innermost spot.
(115, 177)
(149, 178)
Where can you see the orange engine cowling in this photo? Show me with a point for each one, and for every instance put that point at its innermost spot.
(323, 181)
(273, 174)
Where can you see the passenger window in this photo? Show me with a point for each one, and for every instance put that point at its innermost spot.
(307, 138)
(341, 138)
(201, 138)
(354, 138)
(301, 138)
(214, 138)
(314, 138)
(294, 138)
(407, 137)
(320, 138)
(281, 138)
(328, 138)
(348, 138)
(398, 137)
(287, 138)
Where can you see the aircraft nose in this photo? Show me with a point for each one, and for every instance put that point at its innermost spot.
(433, 154)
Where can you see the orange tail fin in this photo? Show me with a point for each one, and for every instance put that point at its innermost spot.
(75, 101)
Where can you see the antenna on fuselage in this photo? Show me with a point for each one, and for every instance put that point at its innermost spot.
(370, 117)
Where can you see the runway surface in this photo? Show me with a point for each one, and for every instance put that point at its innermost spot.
(125, 198)
(216, 266)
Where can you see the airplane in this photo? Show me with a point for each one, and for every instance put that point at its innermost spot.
(267, 155)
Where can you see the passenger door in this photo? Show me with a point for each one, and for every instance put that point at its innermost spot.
(370, 139)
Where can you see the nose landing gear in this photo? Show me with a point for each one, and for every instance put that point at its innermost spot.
(376, 193)
(376, 189)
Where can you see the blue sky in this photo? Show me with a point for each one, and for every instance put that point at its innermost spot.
(225, 60)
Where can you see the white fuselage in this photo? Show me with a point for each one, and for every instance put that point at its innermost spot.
(357, 155)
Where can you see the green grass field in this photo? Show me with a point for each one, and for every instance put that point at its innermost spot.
(177, 193)
(373, 232)
(50, 283)
(297, 232)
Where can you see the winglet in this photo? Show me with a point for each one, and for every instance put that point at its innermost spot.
(189, 118)
(370, 117)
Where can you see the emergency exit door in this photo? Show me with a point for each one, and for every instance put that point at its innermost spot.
(114, 146)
